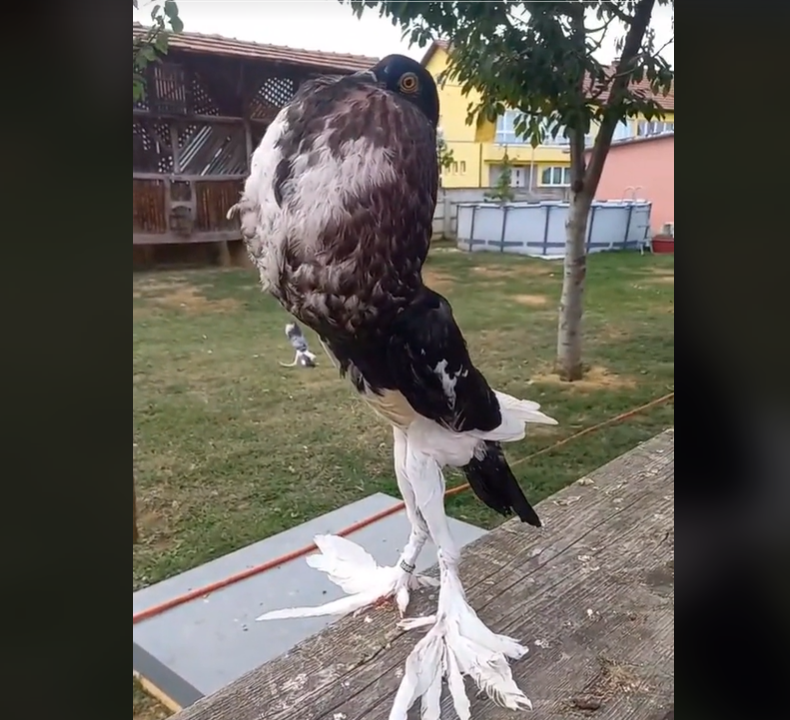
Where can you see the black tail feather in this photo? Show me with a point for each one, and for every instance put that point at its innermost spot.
(493, 482)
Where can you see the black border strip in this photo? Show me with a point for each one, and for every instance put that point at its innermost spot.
(163, 678)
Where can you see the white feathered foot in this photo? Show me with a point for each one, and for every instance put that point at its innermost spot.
(459, 643)
(355, 571)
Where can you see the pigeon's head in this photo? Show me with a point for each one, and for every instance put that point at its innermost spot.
(402, 75)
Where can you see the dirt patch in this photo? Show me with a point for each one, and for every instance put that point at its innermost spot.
(596, 378)
(531, 300)
(437, 280)
(190, 299)
(141, 313)
(518, 270)
(155, 285)
(536, 430)
(612, 332)
(144, 707)
(662, 280)
(179, 295)
(661, 276)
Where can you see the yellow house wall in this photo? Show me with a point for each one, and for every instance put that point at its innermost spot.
(473, 146)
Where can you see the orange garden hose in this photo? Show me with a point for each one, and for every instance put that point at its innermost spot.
(287, 557)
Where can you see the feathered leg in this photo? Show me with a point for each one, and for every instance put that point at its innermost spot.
(419, 529)
(459, 643)
(357, 573)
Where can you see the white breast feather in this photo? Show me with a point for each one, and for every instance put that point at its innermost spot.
(320, 191)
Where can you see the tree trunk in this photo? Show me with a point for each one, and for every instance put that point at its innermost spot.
(569, 335)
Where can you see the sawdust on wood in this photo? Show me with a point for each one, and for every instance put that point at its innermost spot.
(614, 679)
(595, 378)
(531, 300)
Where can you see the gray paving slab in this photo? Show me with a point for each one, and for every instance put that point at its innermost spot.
(201, 646)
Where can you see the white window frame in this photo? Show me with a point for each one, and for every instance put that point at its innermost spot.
(506, 133)
(625, 130)
(649, 128)
(506, 129)
(564, 176)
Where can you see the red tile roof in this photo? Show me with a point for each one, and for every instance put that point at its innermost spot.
(667, 102)
(218, 45)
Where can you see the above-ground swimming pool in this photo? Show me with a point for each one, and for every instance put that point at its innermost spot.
(538, 229)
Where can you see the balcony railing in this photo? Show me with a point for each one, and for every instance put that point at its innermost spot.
(508, 138)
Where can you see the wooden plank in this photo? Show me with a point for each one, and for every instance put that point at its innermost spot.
(220, 119)
(170, 238)
(185, 177)
(592, 594)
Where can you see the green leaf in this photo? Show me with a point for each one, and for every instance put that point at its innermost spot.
(171, 9)
(147, 53)
(161, 43)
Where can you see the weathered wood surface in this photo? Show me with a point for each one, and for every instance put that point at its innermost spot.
(592, 595)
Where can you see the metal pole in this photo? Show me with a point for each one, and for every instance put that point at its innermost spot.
(472, 229)
(504, 227)
(628, 225)
(590, 228)
(546, 230)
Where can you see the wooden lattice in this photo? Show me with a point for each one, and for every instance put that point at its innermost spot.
(200, 101)
(271, 96)
(148, 211)
(212, 201)
(168, 89)
(151, 146)
(212, 149)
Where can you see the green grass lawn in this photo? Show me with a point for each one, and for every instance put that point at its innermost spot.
(231, 447)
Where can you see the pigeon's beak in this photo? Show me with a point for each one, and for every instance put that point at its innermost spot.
(379, 75)
(371, 75)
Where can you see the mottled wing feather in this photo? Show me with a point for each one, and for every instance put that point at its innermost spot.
(375, 155)
(430, 366)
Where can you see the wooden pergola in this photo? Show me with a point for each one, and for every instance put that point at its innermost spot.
(208, 102)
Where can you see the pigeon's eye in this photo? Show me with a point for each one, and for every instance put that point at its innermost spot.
(408, 83)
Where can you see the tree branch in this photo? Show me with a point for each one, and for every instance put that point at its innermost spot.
(576, 136)
(619, 14)
(623, 70)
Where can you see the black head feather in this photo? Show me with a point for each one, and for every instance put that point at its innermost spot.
(410, 80)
